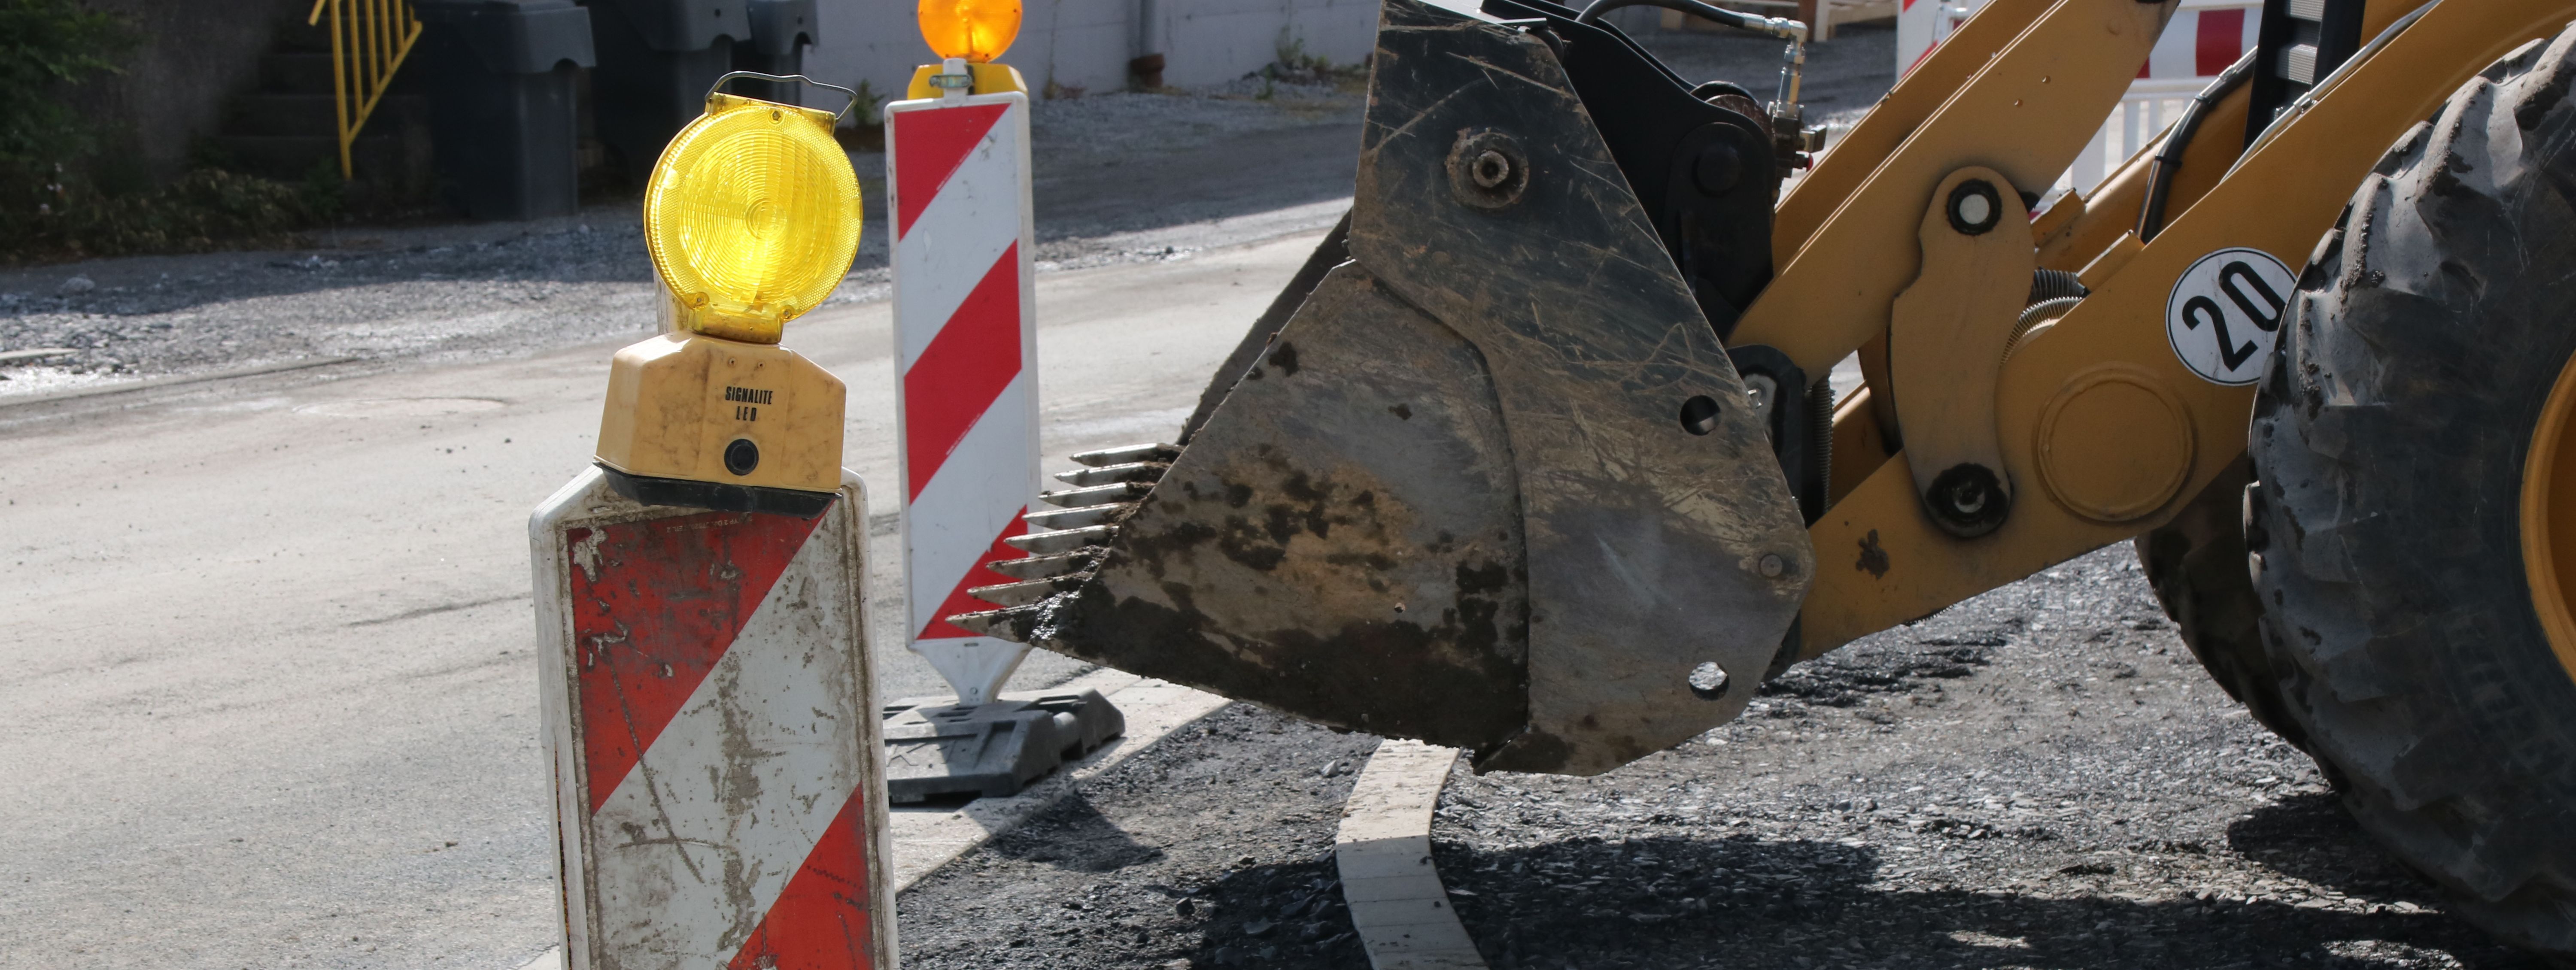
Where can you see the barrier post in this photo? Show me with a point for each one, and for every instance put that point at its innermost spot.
(965, 293)
(706, 685)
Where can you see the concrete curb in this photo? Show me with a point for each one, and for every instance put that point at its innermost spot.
(926, 839)
(1383, 850)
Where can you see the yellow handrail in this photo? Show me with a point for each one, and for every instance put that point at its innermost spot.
(368, 43)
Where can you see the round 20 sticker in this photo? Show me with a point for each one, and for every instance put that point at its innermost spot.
(2226, 312)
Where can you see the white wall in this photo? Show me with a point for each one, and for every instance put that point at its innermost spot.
(1087, 43)
(1220, 40)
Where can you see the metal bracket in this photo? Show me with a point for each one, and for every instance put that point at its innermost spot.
(784, 78)
(1947, 334)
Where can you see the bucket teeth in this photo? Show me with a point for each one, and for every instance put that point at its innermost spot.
(1128, 454)
(1025, 593)
(1041, 567)
(1072, 498)
(1062, 540)
(1070, 539)
(1134, 471)
(1076, 518)
(1011, 624)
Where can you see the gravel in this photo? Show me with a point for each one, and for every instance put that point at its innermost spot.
(1212, 848)
(1114, 184)
(2039, 777)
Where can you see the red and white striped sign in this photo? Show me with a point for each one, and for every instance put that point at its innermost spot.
(965, 293)
(2202, 39)
(713, 730)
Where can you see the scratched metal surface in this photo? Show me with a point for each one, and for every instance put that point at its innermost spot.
(1544, 346)
(746, 788)
(1340, 542)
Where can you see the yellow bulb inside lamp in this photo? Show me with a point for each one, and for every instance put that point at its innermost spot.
(751, 217)
(975, 30)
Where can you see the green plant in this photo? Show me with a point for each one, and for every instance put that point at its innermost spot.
(870, 109)
(46, 45)
(1291, 61)
(204, 209)
(323, 193)
(52, 205)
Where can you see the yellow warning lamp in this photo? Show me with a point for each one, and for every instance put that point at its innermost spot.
(967, 35)
(751, 218)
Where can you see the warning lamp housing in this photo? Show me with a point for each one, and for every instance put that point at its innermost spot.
(974, 31)
(751, 218)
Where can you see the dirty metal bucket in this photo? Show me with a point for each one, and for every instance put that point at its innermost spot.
(1494, 484)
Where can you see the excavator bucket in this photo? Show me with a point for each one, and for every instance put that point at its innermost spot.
(1486, 476)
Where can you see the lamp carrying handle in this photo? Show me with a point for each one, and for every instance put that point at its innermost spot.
(798, 78)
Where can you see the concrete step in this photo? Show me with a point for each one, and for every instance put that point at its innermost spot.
(295, 73)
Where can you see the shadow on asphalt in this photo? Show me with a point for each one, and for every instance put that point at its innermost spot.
(1672, 902)
(1079, 839)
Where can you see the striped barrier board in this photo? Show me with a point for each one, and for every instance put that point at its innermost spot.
(712, 725)
(965, 293)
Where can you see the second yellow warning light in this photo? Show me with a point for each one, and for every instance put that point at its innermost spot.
(975, 31)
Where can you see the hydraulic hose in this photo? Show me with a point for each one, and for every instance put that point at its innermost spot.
(2160, 171)
(2326, 83)
(1787, 116)
(1774, 26)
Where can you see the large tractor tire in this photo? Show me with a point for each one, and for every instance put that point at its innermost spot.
(2414, 528)
(2196, 565)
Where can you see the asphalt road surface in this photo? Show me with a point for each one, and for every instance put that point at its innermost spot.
(271, 700)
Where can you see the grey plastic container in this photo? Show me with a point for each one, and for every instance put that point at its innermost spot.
(656, 60)
(504, 117)
(780, 32)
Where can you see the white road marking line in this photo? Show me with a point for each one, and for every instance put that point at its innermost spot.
(1383, 850)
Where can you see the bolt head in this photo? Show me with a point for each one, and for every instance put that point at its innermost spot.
(1969, 497)
(1976, 207)
(1708, 681)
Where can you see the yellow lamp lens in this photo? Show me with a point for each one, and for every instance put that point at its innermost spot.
(751, 216)
(977, 30)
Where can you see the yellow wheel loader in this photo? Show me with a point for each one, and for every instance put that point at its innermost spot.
(1536, 456)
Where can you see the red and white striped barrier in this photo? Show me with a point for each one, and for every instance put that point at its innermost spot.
(965, 295)
(712, 725)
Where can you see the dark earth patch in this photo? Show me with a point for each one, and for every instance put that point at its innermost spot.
(1214, 848)
(2039, 777)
